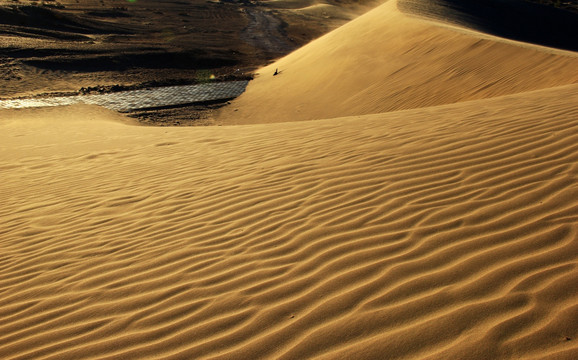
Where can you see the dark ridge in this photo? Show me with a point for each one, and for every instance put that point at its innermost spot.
(42, 33)
(52, 19)
(109, 13)
(570, 5)
(512, 19)
(120, 62)
(138, 112)
(27, 53)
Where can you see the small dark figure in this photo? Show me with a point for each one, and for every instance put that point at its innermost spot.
(276, 72)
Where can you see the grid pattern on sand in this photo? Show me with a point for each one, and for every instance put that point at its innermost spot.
(141, 99)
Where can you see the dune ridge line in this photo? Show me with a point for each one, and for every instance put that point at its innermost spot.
(388, 60)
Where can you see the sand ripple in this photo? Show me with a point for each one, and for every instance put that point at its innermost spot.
(447, 232)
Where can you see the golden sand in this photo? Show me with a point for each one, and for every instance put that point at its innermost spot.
(440, 232)
(386, 60)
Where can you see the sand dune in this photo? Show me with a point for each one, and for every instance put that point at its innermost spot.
(513, 19)
(446, 232)
(387, 60)
(345, 10)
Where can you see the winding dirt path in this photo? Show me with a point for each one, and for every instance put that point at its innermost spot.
(265, 32)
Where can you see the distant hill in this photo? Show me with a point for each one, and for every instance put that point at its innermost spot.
(570, 5)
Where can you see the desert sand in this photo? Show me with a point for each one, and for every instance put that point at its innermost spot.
(390, 60)
(429, 212)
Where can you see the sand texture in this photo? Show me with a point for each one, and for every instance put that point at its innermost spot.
(445, 231)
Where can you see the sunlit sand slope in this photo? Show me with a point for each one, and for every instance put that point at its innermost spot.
(440, 233)
(388, 60)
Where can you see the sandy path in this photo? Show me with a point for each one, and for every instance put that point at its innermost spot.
(447, 232)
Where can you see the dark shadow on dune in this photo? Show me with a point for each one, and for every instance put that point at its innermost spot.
(511, 19)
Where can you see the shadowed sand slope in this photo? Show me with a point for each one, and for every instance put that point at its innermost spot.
(512, 19)
(386, 60)
(441, 233)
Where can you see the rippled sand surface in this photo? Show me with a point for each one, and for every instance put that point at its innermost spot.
(440, 232)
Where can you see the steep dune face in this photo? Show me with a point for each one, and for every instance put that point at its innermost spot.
(442, 233)
(386, 60)
(513, 19)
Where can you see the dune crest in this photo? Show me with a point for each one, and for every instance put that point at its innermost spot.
(446, 232)
(513, 19)
(386, 60)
